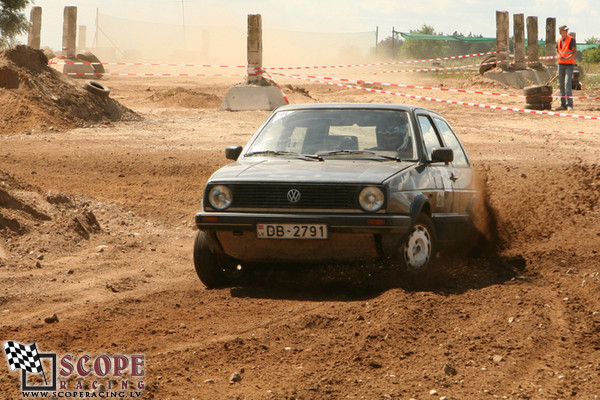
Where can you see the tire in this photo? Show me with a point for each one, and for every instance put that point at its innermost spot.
(49, 53)
(538, 99)
(96, 88)
(213, 270)
(484, 68)
(545, 90)
(545, 106)
(90, 57)
(419, 247)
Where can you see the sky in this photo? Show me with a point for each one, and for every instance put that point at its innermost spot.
(446, 16)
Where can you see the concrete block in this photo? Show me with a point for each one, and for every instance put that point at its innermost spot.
(78, 68)
(251, 97)
(520, 79)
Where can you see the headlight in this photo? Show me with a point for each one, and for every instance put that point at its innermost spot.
(371, 198)
(220, 197)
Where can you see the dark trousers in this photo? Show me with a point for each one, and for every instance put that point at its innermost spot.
(565, 81)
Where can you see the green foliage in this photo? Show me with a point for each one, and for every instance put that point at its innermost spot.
(591, 55)
(12, 21)
(420, 49)
(389, 48)
(592, 40)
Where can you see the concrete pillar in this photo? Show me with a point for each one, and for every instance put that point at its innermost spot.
(550, 40)
(532, 43)
(519, 35)
(502, 30)
(254, 48)
(35, 28)
(82, 39)
(69, 31)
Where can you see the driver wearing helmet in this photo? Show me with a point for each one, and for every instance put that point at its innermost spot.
(394, 137)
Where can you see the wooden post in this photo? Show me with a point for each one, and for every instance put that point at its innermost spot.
(35, 28)
(533, 60)
(550, 40)
(502, 30)
(81, 43)
(254, 48)
(519, 34)
(69, 31)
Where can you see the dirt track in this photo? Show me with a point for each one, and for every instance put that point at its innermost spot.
(521, 321)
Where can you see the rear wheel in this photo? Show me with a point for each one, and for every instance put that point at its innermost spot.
(214, 270)
(419, 247)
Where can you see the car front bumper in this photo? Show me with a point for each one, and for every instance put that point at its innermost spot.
(350, 237)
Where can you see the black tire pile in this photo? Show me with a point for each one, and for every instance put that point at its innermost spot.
(538, 97)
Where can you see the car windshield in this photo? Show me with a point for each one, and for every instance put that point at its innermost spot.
(337, 133)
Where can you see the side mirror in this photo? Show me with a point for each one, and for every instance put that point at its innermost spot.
(233, 152)
(444, 155)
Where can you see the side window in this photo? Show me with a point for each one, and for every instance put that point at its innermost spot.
(430, 138)
(460, 158)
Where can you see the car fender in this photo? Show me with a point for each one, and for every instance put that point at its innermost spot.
(419, 203)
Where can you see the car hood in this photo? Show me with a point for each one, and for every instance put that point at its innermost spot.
(338, 171)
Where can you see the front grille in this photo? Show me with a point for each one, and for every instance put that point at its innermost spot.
(325, 196)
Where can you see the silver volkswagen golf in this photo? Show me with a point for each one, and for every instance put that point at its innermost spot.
(323, 183)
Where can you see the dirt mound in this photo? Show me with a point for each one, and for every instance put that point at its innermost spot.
(34, 96)
(186, 98)
(32, 221)
(538, 210)
(478, 81)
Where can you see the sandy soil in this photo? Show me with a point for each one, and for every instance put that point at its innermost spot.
(96, 227)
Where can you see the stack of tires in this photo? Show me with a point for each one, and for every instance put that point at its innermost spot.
(538, 97)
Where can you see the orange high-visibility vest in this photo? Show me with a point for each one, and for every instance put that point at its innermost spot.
(564, 51)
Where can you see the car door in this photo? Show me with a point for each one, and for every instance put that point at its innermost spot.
(440, 189)
(461, 174)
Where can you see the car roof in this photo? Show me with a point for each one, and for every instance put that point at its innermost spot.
(353, 106)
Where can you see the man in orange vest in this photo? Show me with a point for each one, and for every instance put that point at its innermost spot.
(566, 51)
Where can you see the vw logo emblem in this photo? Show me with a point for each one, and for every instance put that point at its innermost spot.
(293, 195)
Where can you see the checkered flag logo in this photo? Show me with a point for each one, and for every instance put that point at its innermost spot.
(23, 357)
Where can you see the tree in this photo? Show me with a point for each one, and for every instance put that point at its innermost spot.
(592, 55)
(389, 48)
(12, 21)
(423, 48)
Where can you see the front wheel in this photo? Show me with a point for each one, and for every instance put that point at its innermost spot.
(214, 270)
(419, 247)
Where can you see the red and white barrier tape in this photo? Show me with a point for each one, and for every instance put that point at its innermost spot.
(146, 64)
(272, 68)
(518, 130)
(132, 74)
(454, 102)
(436, 69)
(361, 82)
(386, 63)
(273, 80)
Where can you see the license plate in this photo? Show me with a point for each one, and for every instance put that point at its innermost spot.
(291, 231)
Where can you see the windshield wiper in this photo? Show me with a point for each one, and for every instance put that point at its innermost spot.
(351, 152)
(284, 153)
